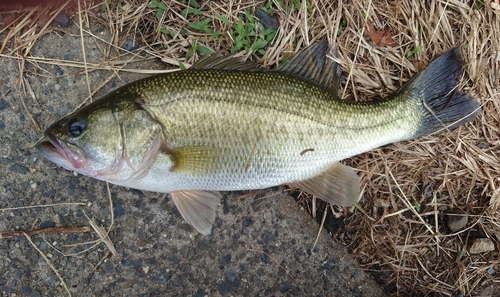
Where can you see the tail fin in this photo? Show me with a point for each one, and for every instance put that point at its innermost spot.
(445, 107)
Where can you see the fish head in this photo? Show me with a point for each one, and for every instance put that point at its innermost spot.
(87, 141)
(107, 140)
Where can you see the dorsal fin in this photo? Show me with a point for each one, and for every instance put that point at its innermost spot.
(310, 63)
(218, 61)
(313, 64)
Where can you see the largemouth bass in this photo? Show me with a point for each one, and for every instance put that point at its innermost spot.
(226, 124)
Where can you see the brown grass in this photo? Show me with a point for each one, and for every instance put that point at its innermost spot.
(399, 228)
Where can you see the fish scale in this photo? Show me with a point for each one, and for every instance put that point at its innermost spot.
(226, 124)
(279, 124)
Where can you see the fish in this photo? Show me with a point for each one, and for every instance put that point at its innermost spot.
(226, 124)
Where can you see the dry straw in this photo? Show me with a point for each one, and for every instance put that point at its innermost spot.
(399, 229)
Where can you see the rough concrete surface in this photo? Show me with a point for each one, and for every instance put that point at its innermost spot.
(260, 246)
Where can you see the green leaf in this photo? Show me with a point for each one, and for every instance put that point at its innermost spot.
(162, 6)
(215, 35)
(259, 43)
(223, 19)
(167, 31)
(249, 17)
(153, 4)
(193, 3)
(237, 46)
(270, 33)
(195, 11)
(203, 49)
(414, 51)
(197, 26)
(192, 50)
(239, 27)
(182, 66)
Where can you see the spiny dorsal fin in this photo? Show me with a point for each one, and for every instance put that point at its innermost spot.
(218, 61)
(313, 64)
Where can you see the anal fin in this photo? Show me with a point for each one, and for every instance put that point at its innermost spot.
(197, 207)
(338, 185)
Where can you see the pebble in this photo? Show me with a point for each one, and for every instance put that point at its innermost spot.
(46, 278)
(118, 211)
(229, 286)
(481, 245)
(265, 258)
(4, 104)
(379, 202)
(357, 275)
(230, 274)
(457, 219)
(161, 278)
(26, 290)
(62, 20)
(33, 158)
(18, 169)
(131, 45)
(57, 87)
(225, 260)
(328, 266)
(2, 125)
(174, 259)
(42, 246)
(285, 287)
(47, 224)
(491, 270)
(200, 293)
(9, 195)
(58, 71)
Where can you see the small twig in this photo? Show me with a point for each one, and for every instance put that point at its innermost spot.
(49, 263)
(41, 32)
(22, 82)
(83, 49)
(18, 27)
(103, 234)
(45, 205)
(111, 213)
(320, 228)
(409, 206)
(51, 230)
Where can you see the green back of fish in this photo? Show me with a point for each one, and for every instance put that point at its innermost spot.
(269, 121)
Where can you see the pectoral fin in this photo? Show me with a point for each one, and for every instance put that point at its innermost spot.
(193, 158)
(197, 208)
(337, 185)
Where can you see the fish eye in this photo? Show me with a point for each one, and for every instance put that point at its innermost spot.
(76, 127)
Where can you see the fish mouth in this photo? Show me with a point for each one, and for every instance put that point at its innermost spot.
(48, 143)
(67, 156)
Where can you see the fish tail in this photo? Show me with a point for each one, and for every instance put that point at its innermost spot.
(444, 106)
